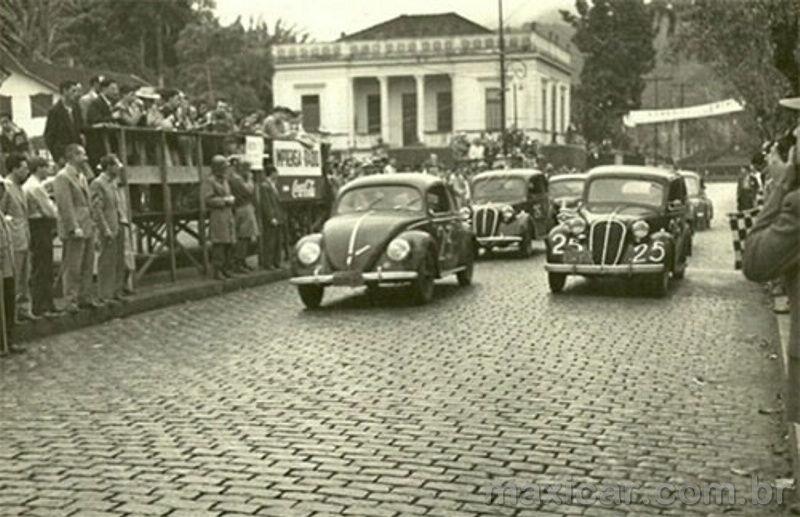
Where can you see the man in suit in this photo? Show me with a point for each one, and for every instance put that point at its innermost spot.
(106, 214)
(101, 111)
(76, 229)
(273, 220)
(64, 122)
(8, 315)
(14, 206)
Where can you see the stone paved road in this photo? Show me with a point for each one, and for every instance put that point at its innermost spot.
(248, 405)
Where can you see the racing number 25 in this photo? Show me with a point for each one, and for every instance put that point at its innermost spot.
(657, 253)
(560, 242)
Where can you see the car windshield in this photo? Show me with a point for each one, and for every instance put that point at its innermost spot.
(498, 189)
(692, 186)
(380, 198)
(621, 191)
(566, 188)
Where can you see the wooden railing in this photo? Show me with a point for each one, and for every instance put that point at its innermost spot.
(164, 171)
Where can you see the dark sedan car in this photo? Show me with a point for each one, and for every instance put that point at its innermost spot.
(565, 191)
(632, 222)
(701, 209)
(510, 208)
(386, 228)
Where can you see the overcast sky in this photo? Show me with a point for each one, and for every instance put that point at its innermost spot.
(325, 20)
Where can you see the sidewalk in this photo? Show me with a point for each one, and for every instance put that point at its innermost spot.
(155, 291)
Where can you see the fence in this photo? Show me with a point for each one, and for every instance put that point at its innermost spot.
(163, 173)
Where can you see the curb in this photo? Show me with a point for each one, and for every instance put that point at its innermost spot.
(792, 428)
(147, 301)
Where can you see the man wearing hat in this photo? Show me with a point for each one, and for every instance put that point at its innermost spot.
(219, 201)
(772, 251)
(277, 124)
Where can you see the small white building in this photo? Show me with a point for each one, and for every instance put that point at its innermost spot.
(415, 80)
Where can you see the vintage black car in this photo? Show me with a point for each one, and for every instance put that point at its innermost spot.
(565, 191)
(701, 209)
(386, 228)
(510, 208)
(632, 222)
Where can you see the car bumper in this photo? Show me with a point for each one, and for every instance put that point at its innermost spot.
(594, 269)
(372, 276)
(498, 241)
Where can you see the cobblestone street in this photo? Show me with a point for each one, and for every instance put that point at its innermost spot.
(246, 404)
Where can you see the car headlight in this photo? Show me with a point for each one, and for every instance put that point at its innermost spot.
(640, 229)
(398, 249)
(508, 213)
(576, 225)
(308, 253)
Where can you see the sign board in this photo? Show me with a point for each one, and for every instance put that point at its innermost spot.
(254, 152)
(635, 118)
(299, 171)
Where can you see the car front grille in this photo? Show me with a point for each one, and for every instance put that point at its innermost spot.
(486, 221)
(607, 242)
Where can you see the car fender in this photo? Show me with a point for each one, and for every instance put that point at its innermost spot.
(420, 242)
(669, 245)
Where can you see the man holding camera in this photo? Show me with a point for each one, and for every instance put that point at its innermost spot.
(772, 251)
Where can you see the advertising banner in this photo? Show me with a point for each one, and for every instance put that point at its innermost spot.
(299, 170)
(639, 117)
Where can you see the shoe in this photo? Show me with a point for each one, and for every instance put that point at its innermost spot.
(72, 308)
(15, 349)
(51, 315)
(94, 304)
(27, 316)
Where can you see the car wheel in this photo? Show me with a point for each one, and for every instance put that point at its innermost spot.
(465, 276)
(422, 286)
(525, 245)
(556, 281)
(660, 284)
(311, 295)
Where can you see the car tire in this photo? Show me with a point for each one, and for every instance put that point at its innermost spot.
(465, 276)
(557, 281)
(525, 245)
(422, 286)
(659, 284)
(311, 295)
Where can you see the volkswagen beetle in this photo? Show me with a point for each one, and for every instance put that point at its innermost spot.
(510, 208)
(701, 209)
(632, 222)
(384, 229)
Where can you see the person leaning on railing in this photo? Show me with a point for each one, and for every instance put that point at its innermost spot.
(772, 250)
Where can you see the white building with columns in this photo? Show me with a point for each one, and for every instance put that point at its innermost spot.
(415, 80)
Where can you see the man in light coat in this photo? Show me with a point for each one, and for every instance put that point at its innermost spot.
(106, 214)
(219, 200)
(76, 228)
(14, 206)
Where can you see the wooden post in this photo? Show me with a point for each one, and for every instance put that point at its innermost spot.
(201, 221)
(168, 215)
(123, 149)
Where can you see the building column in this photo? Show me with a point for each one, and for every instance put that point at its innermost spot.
(351, 113)
(384, 90)
(567, 106)
(420, 80)
(544, 90)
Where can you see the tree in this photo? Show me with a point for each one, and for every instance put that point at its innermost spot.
(616, 37)
(232, 61)
(135, 36)
(34, 29)
(752, 47)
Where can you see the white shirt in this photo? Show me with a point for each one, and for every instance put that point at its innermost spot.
(39, 203)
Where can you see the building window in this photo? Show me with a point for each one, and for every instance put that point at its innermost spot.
(444, 112)
(310, 106)
(5, 105)
(40, 104)
(373, 114)
(493, 111)
(544, 106)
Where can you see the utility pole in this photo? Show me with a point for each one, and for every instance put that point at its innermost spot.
(502, 81)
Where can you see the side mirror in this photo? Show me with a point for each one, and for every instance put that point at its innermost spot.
(675, 205)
